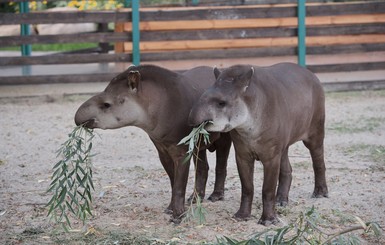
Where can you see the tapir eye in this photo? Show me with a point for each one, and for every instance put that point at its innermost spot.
(106, 105)
(221, 104)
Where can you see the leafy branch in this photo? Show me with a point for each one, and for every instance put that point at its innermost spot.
(194, 140)
(71, 183)
(306, 230)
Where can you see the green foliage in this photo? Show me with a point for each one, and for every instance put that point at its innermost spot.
(71, 183)
(194, 140)
(308, 228)
(197, 213)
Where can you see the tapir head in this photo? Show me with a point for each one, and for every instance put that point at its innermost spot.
(224, 103)
(117, 106)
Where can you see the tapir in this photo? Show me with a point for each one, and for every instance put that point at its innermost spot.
(158, 101)
(267, 109)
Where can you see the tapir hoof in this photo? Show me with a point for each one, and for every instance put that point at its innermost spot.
(168, 210)
(216, 196)
(268, 221)
(282, 201)
(319, 195)
(193, 199)
(177, 216)
(239, 216)
(176, 221)
(320, 192)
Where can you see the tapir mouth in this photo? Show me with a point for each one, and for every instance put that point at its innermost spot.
(207, 122)
(91, 123)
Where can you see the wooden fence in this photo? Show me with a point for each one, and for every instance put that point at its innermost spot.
(219, 32)
(103, 37)
(257, 31)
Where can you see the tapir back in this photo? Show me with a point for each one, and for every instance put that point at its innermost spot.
(295, 95)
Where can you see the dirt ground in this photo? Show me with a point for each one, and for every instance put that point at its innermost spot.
(132, 189)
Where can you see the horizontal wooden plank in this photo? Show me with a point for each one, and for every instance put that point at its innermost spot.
(345, 8)
(259, 11)
(347, 48)
(261, 32)
(255, 42)
(65, 59)
(354, 85)
(344, 39)
(347, 67)
(219, 54)
(100, 37)
(65, 17)
(260, 52)
(194, 13)
(212, 44)
(255, 23)
(52, 79)
(212, 13)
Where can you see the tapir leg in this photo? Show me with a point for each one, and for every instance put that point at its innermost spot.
(222, 147)
(315, 144)
(181, 172)
(246, 174)
(168, 165)
(285, 179)
(271, 170)
(317, 154)
(201, 175)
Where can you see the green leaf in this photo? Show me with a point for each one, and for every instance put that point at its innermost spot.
(72, 172)
(62, 195)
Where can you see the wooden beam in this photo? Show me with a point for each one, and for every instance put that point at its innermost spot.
(255, 23)
(65, 59)
(254, 42)
(52, 79)
(64, 17)
(99, 37)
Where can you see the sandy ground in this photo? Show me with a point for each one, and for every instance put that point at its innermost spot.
(132, 189)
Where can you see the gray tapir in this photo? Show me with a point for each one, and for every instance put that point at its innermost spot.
(267, 109)
(158, 101)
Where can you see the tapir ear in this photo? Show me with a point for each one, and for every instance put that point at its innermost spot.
(217, 72)
(133, 80)
(245, 79)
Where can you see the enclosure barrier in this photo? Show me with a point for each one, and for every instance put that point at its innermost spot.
(257, 31)
(103, 37)
(221, 32)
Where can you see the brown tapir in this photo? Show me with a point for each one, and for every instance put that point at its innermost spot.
(158, 101)
(266, 109)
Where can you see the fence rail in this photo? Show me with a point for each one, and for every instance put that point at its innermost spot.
(242, 31)
(205, 32)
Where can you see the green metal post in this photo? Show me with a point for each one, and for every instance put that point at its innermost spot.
(127, 3)
(135, 33)
(24, 30)
(195, 2)
(301, 5)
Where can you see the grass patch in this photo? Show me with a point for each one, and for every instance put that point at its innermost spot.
(111, 237)
(370, 153)
(355, 94)
(302, 165)
(361, 125)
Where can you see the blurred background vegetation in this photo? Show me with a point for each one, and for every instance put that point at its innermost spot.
(39, 5)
